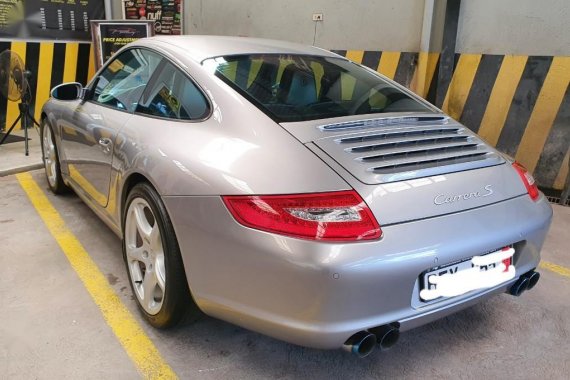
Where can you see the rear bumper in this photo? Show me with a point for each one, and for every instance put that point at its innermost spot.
(319, 294)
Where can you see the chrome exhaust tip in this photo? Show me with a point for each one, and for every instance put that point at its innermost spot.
(360, 344)
(386, 335)
(520, 286)
(533, 278)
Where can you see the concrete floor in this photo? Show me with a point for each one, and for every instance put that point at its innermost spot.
(50, 327)
(12, 156)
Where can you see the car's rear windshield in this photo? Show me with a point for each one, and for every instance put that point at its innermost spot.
(303, 87)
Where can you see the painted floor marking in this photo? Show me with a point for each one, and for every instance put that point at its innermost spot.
(136, 343)
(558, 269)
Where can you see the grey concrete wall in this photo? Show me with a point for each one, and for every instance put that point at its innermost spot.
(116, 9)
(356, 24)
(432, 25)
(520, 27)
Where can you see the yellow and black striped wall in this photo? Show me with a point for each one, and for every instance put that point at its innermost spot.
(51, 63)
(520, 104)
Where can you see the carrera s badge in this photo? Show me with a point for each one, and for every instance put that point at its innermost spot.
(442, 198)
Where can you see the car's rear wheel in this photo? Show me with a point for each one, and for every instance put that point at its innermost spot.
(153, 259)
(50, 157)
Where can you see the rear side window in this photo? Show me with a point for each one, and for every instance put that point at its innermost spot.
(171, 94)
(122, 82)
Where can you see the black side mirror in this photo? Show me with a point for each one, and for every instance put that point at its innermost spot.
(67, 91)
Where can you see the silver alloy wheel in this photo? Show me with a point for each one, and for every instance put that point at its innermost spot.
(50, 158)
(145, 255)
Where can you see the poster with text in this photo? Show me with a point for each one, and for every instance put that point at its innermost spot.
(110, 36)
(166, 15)
(49, 19)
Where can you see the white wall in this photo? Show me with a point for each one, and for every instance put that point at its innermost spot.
(348, 24)
(520, 27)
(525, 27)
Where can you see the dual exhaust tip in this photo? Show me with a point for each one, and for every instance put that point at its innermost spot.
(364, 342)
(525, 282)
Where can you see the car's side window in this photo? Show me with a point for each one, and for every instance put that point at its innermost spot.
(173, 95)
(122, 82)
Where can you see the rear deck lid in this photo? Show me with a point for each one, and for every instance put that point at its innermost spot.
(410, 167)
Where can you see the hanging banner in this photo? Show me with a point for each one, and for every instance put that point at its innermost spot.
(110, 36)
(49, 19)
(166, 15)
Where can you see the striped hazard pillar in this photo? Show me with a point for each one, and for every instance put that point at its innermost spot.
(50, 64)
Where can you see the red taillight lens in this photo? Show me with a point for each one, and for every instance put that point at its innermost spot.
(528, 180)
(334, 216)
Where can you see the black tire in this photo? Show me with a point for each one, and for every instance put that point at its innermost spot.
(50, 158)
(175, 300)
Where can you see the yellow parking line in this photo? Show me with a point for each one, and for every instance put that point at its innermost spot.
(558, 269)
(136, 343)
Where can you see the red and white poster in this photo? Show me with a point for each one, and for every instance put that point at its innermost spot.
(166, 15)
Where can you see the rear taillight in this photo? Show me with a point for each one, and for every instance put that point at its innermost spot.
(528, 180)
(334, 216)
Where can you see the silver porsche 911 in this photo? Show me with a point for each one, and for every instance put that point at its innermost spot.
(290, 191)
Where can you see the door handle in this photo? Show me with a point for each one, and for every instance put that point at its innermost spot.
(106, 144)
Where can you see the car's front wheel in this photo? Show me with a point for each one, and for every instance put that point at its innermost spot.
(51, 159)
(153, 260)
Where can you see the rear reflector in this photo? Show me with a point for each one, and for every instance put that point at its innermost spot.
(528, 180)
(333, 216)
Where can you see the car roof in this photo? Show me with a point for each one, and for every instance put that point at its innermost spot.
(199, 48)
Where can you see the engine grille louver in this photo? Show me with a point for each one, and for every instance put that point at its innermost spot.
(394, 152)
(384, 121)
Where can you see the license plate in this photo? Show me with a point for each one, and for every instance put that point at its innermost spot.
(478, 272)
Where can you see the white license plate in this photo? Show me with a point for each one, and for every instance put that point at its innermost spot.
(478, 272)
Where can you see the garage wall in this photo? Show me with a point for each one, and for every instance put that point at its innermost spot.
(510, 81)
(345, 23)
(519, 104)
(51, 63)
(511, 74)
(520, 27)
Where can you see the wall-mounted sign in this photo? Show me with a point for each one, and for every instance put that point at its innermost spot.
(110, 36)
(166, 15)
(49, 19)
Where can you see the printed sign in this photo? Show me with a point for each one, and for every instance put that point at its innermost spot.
(166, 15)
(49, 19)
(110, 36)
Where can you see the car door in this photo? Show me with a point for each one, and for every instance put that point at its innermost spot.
(89, 128)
